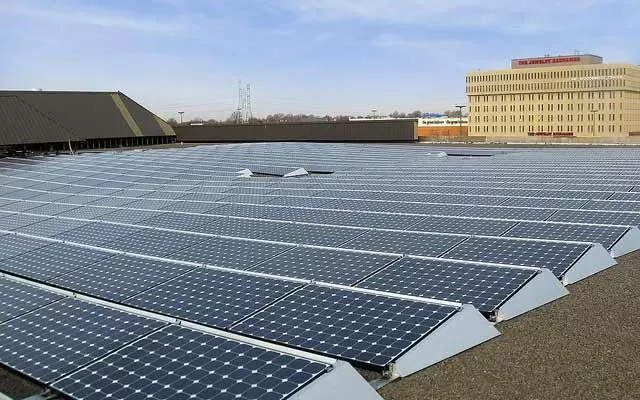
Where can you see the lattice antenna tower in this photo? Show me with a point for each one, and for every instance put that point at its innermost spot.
(238, 114)
(248, 114)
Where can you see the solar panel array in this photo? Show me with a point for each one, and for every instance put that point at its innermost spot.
(361, 262)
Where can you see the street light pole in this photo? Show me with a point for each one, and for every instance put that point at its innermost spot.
(374, 113)
(460, 108)
(180, 112)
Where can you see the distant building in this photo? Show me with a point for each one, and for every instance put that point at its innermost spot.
(432, 126)
(573, 95)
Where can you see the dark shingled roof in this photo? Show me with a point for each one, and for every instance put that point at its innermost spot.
(28, 117)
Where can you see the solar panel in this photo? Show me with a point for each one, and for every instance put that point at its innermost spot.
(184, 222)
(535, 214)
(360, 205)
(299, 201)
(87, 212)
(210, 197)
(366, 328)
(326, 265)
(469, 199)
(10, 222)
(425, 208)
(191, 207)
(76, 199)
(154, 242)
(230, 253)
(97, 233)
(629, 196)
(21, 206)
(119, 277)
(211, 297)
(18, 298)
(607, 236)
(167, 195)
(52, 209)
(51, 261)
(14, 245)
(610, 205)
(468, 226)
(484, 287)
(417, 244)
(558, 257)
(313, 234)
(111, 201)
(54, 340)
(179, 364)
(127, 216)
(542, 202)
(50, 227)
(50, 197)
(151, 204)
(238, 227)
(597, 217)
(100, 191)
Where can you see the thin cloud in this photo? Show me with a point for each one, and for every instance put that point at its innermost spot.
(91, 17)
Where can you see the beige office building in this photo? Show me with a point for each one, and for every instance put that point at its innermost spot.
(575, 95)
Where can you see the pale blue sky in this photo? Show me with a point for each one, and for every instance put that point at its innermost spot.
(311, 56)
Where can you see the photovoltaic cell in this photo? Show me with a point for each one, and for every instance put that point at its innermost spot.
(558, 257)
(177, 363)
(366, 328)
(607, 236)
(230, 253)
(211, 297)
(18, 298)
(484, 287)
(467, 226)
(325, 265)
(416, 244)
(54, 340)
(119, 277)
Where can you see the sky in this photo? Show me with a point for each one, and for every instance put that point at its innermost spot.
(300, 56)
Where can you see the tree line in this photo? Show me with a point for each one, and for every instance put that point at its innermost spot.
(284, 118)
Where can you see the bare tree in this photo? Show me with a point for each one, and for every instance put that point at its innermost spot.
(172, 122)
(415, 114)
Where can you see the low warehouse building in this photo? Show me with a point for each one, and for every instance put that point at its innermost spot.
(44, 120)
(344, 131)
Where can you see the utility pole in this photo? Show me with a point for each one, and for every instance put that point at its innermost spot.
(180, 112)
(593, 127)
(460, 108)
